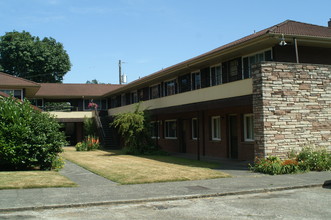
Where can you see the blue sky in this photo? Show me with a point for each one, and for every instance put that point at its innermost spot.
(147, 35)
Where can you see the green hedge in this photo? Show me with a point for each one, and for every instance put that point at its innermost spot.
(29, 139)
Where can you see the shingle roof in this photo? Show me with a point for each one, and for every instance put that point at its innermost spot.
(10, 80)
(290, 27)
(53, 90)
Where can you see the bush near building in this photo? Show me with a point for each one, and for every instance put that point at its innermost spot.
(308, 159)
(29, 138)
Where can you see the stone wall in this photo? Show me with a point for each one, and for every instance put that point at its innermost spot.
(292, 107)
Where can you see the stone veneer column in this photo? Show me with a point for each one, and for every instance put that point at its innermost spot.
(292, 107)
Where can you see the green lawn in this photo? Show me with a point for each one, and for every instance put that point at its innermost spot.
(33, 179)
(128, 169)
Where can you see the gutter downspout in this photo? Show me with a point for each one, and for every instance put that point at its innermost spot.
(296, 50)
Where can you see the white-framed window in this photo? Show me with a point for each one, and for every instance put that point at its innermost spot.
(215, 75)
(170, 87)
(216, 128)
(17, 93)
(155, 129)
(249, 127)
(194, 128)
(170, 129)
(196, 80)
(251, 59)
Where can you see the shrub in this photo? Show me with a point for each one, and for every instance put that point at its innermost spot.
(90, 143)
(90, 127)
(29, 139)
(308, 159)
(134, 127)
(315, 159)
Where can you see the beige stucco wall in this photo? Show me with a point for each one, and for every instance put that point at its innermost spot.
(228, 90)
(73, 115)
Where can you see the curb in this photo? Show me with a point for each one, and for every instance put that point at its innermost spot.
(170, 198)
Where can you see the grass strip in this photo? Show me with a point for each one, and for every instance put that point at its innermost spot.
(33, 179)
(128, 169)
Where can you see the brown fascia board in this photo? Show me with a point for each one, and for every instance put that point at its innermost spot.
(186, 64)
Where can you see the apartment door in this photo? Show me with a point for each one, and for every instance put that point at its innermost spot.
(233, 136)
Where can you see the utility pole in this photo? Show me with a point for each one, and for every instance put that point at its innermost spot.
(120, 71)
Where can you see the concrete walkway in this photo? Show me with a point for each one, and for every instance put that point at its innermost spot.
(96, 190)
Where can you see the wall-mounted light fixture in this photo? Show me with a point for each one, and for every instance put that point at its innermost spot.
(282, 41)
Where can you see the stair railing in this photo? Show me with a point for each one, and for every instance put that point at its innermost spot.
(99, 126)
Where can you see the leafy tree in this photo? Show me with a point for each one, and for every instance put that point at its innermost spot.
(134, 127)
(29, 138)
(93, 81)
(26, 56)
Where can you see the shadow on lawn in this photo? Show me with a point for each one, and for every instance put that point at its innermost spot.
(173, 159)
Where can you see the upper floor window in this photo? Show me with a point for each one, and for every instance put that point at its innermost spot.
(134, 97)
(253, 59)
(184, 83)
(155, 91)
(215, 75)
(196, 80)
(123, 100)
(170, 87)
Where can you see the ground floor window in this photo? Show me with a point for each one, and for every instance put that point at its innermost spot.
(194, 128)
(248, 127)
(216, 128)
(170, 128)
(155, 128)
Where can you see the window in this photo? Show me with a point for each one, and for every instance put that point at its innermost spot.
(155, 91)
(215, 75)
(170, 128)
(170, 87)
(155, 126)
(123, 99)
(134, 97)
(194, 128)
(196, 80)
(37, 102)
(17, 93)
(249, 127)
(253, 59)
(185, 83)
(216, 128)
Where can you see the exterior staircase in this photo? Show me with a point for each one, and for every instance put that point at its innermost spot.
(107, 133)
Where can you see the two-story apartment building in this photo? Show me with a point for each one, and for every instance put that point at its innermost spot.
(264, 94)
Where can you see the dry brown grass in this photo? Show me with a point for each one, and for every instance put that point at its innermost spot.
(127, 169)
(33, 179)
